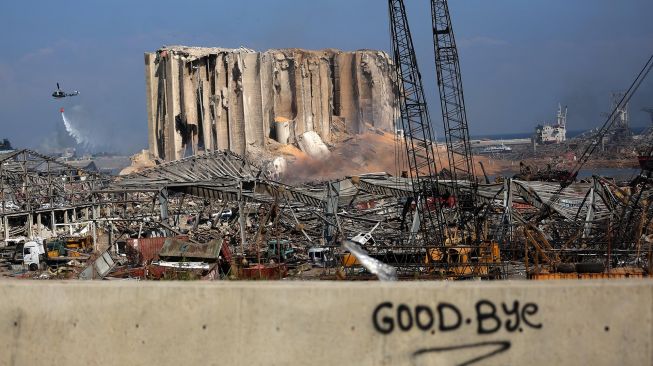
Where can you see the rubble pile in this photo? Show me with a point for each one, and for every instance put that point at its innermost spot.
(220, 216)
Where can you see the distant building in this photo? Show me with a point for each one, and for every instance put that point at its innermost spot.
(5, 146)
(552, 134)
(620, 132)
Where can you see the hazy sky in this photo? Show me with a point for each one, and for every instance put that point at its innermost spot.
(519, 58)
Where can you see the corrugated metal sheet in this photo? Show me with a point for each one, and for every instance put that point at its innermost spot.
(225, 251)
(175, 248)
(264, 272)
(98, 268)
(146, 249)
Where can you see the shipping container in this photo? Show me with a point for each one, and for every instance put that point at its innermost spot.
(144, 250)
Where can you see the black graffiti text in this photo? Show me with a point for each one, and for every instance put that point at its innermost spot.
(443, 317)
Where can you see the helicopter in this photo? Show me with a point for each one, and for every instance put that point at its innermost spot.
(61, 94)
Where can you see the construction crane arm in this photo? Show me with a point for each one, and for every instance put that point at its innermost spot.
(416, 124)
(454, 115)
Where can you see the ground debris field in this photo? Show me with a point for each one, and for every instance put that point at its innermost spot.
(219, 215)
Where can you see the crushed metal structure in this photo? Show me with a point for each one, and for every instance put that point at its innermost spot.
(222, 196)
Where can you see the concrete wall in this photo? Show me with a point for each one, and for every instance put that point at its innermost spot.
(308, 323)
(202, 99)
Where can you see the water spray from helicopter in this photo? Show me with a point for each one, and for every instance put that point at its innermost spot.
(75, 133)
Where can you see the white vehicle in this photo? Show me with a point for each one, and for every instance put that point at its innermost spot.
(33, 254)
(320, 256)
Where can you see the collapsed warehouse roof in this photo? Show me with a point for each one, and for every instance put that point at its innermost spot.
(221, 192)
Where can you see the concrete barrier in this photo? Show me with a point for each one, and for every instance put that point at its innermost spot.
(326, 323)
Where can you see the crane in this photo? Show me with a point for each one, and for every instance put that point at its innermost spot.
(454, 117)
(416, 123)
(635, 215)
(445, 253)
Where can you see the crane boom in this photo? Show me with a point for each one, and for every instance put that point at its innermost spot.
(416, 124)
(454, 116)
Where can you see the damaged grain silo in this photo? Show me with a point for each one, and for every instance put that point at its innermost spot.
(204, 99)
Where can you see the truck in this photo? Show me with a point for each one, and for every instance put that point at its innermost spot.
(320, 256)
(284, 251)
(38, 252)
(34, 254)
